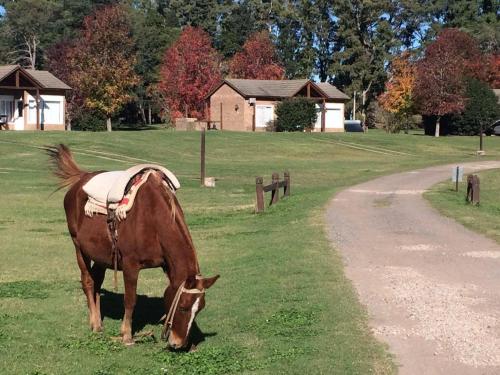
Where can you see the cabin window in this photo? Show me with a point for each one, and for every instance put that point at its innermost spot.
(50, 112)
(6, 106)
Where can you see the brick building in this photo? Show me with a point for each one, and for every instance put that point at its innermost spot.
(248, 105)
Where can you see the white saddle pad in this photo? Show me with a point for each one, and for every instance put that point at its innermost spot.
(109, 187)
(98, 187)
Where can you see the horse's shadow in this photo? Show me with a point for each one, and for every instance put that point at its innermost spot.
(148, 310)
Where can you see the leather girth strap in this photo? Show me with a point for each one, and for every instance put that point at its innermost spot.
(113, 232)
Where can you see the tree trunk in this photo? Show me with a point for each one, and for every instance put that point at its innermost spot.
(108, 124)
(143, 113)
(149, 113)
(68, 125)
(481, 137)
(438, 123)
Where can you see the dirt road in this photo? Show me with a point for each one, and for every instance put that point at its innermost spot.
(431, 287)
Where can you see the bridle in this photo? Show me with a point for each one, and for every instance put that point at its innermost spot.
(167, 326)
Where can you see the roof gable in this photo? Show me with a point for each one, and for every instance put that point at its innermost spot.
(38, 78)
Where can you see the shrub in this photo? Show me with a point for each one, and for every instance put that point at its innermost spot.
(295, 114)
(481, 108)
(90, 121)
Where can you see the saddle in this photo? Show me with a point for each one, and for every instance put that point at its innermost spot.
(116, 190)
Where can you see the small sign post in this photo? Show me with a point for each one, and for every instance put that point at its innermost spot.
(457, 175)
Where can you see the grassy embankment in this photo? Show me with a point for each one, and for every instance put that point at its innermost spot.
(484, 218)
(282, 304)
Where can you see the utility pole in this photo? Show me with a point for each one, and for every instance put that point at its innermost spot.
(353, 116)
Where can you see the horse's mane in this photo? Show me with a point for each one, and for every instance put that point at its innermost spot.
(64, 166)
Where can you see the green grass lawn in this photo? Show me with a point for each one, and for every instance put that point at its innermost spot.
(282, 304)
(484, 218)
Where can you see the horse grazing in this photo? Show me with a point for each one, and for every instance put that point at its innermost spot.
(154, 234)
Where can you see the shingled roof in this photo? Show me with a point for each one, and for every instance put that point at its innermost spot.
(259, 88)
(6, 70)
(331, 91)
(48, 80)
(267, 88)
(43, 78)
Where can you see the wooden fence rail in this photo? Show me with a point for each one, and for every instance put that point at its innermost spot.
(274, 187)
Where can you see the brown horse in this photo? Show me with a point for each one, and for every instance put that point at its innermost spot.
(154, 234)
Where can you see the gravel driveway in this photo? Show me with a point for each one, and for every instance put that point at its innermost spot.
(431, 287)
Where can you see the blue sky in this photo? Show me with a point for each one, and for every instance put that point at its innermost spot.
(2, 10)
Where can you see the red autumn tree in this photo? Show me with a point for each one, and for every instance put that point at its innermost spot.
(493, 71)
(440, 88)
(190, 69)
(99, 65)
(258, 60)
(60, 61)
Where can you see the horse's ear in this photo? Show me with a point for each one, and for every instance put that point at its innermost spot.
(190, 282)
(208, 282)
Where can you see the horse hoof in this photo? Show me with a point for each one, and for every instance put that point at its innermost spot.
(128, 341)
(97, 329)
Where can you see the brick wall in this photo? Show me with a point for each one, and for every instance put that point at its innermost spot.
(236, 112)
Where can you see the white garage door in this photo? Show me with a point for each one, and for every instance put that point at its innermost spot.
(333, 118)
(263, 115)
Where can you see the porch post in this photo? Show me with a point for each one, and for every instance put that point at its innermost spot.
(253, 116)
(323, 117)
(39, 125)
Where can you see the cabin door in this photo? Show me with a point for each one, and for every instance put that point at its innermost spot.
(264, 115)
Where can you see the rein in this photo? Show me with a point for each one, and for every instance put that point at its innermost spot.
(167, 326)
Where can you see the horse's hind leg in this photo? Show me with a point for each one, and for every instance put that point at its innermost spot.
(97, 273)
(88, 288)
(130, 275)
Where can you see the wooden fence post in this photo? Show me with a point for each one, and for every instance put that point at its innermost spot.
(287, 183)
(475, 190)
(276, 190)
(202, 158)
(259, 192)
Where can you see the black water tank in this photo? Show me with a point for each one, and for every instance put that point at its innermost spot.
(353, 126)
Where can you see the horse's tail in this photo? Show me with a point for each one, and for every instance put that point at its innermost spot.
(63, 165)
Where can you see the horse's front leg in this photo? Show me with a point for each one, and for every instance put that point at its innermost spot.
(130, 275)
(98, 272)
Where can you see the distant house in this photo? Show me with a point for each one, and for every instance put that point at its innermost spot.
(497, 93)
(31, 99)
(249, 105)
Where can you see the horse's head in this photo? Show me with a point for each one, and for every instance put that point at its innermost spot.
(188, 301)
